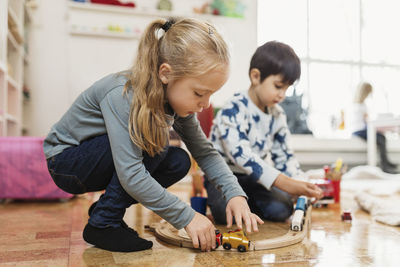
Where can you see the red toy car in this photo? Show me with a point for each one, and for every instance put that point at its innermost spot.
(232, 239)
(329, 192)
(235, 239)
(346, 216)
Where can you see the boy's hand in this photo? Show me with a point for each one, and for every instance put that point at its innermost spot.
(297, 188)
(237, 206)
(202, 232)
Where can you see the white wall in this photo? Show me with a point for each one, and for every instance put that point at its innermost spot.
(46, 74)
(63, 65)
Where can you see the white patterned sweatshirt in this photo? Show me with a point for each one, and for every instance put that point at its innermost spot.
(253, 142)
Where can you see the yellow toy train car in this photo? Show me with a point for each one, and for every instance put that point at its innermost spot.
(234, 239)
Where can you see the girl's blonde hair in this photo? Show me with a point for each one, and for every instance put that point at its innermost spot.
(363, 91)
(191, 48)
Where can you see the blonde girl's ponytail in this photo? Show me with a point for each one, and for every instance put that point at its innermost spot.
(147, 126)
(362, 92)
(191, 48)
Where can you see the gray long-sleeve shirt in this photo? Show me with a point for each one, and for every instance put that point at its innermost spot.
(104, 109)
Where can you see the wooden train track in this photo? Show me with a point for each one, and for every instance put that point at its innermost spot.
(167, 233)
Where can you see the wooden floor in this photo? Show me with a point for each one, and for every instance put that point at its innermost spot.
(50, 234)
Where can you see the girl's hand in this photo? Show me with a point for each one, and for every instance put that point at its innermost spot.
(297, 188)
(237, 207)
(202, 232)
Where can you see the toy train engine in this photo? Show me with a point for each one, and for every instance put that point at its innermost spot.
(299, 214)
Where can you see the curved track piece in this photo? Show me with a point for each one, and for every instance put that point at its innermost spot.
(290, 238)
(167, 233)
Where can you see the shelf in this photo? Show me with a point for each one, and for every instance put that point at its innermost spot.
(16, 18)
(13, 128)
(138, 12)
(3, 67)
(11, 118)
(14, 43)
(116, 9)
(13, 83)
(122, 35)
(12, 18)
(14, 26)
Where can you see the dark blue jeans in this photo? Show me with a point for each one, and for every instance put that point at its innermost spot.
(380, 142)
(272, 205)
(89, 167)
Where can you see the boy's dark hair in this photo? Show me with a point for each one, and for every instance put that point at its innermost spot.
(276, 58)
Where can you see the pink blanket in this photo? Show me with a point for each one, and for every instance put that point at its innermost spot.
(23, 170)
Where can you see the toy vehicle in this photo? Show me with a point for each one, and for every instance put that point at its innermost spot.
(218, 238)
(235, 239)
(329, 193)
(298, 216)
(346, 216)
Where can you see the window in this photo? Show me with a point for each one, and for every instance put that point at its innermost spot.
(340, 43)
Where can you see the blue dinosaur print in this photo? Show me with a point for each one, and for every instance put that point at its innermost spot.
(270, 127)
(256, 118)
(239, 153)
(280, 138)
(242, 135)
(260, 145)
(257, 132)
(257, 170)
(283, 169)
(244, 101)
(213, 137)
(231, 112)
(224, 136)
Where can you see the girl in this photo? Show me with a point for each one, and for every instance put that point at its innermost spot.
(115, 137)
(251, 133)
(359, 126)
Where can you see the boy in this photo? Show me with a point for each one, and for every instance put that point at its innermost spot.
(250, 132)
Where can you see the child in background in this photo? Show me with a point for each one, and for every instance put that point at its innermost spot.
(359, 126)
(115, 137)
(251, 133)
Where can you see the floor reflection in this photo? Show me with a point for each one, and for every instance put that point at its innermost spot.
(50, 234)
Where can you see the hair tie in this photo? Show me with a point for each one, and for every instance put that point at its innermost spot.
(167, 25)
